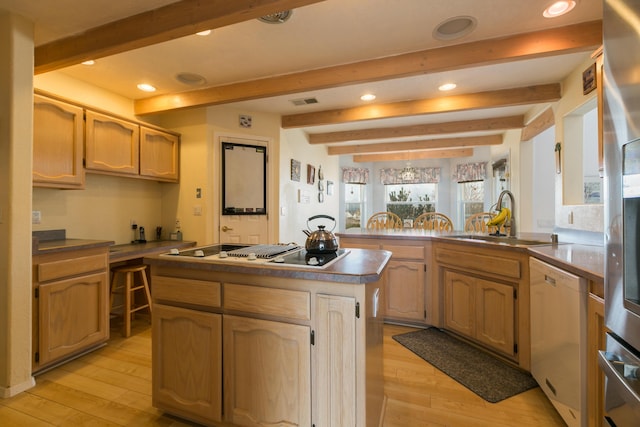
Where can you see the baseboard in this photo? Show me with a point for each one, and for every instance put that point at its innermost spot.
(8, 392)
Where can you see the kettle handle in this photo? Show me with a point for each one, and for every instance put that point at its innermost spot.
(323, 216)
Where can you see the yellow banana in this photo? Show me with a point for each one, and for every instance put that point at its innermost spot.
(504, 215)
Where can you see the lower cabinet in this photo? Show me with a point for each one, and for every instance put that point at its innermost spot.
(187, 362)
(596, 340)
(480, 309)
(70, 305)
(404, 290)
(267, 372)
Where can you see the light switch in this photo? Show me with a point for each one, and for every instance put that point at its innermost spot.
(197, 210)
(35, 217)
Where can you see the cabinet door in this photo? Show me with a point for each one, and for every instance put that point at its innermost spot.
(267, 372)
(187, 362)
(111, 144)
(335, 361)
(159, 154)
(459, 303)
(596, 339)
(58, 139)
(73, 316)
(404, 290)
(495, 315)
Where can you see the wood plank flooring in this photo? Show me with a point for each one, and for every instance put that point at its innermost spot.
(112, 387)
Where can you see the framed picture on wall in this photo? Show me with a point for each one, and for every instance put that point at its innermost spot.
(311, 174)
(295, 170)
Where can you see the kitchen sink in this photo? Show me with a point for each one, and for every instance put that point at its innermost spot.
(505, 240)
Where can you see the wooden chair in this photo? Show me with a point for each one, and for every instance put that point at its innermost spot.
(128, 289)
(477, 223)
(435, 221)
(384, 221)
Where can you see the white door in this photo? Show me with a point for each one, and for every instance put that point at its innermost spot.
(242, 228)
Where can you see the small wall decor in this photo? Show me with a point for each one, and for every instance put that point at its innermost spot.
(557, 149)
(245, 121)
(589, 79)
(329, 188)
(311, 174)
(295, 170)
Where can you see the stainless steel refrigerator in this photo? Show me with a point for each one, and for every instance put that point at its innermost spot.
(621, 360)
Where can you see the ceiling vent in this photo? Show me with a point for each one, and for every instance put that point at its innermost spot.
(304, 101)
(277, 18)
(191, 79)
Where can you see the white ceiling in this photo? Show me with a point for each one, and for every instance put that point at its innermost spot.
(328, 33)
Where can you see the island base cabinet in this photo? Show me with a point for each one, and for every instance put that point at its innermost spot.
(187, 363)
(335, 361)
(404, 291)
(267, 374)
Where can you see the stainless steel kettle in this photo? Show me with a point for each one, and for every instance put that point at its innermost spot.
(321, 241)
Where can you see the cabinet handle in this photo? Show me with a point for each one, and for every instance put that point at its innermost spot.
(225, 228)
(550, 280)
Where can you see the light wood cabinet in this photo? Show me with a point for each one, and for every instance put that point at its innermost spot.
(267, 372)
(485, 298)
(111, 144)
(481, 310)
(159, 154)
(596, 340)
(58, 139)
(70, 305)
(187, 362)
(405, 280)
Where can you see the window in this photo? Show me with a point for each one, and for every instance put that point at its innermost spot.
(410, 200)
(354, 205)
(470, 200)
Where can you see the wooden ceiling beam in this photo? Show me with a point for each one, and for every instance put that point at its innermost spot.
(491, 124)
(166, 23)
(556, 41)
(428, 144)
(538, 125)
(414, 155)
(464, 102)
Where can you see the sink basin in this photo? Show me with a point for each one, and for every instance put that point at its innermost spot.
(506, 240)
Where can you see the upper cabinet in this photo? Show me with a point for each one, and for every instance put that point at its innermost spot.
(159, 153)
(112, 145)
(109, 145)
(58, 138)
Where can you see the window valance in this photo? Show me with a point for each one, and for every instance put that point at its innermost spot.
(417, 176)
(467, 172)
(355, 175)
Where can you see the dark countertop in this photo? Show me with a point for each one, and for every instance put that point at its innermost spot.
(62, 245)
(583, 260)
(358, 267)
(129, 251)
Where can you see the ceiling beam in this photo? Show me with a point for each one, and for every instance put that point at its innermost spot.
(491, 124)
(538, 125)
(492, 99)
(416, 145)
(557, 41)
(166, 23)
(414, 155)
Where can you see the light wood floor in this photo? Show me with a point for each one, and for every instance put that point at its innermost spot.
(112, 387)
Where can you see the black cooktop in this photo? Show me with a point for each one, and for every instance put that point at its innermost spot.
(211, 250)
(305, 258)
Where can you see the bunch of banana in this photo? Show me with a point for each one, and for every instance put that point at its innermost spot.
(502, 216)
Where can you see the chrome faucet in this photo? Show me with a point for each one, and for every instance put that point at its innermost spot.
(511, 223)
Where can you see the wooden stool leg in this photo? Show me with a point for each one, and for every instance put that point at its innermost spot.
(127, 305)
(146, 289)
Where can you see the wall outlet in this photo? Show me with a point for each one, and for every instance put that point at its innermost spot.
(36, 217)
(197, 210)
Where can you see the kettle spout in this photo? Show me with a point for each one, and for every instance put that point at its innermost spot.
(307, 232)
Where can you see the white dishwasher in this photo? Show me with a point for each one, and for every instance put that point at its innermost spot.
(559, 338)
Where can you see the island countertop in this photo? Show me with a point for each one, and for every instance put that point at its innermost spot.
(357, 267)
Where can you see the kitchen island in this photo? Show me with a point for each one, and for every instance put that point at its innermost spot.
(259, 343)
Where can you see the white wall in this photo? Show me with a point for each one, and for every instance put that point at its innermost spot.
(293, 214)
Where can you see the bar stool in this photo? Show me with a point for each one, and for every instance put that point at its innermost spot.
(128, 290)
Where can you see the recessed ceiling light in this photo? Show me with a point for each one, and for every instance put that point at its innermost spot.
(368, 97)
(454, 28)
(277, 18)
(447, 86)
(203, 33)
(559, 8)
(146, 87)
(89, 62)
